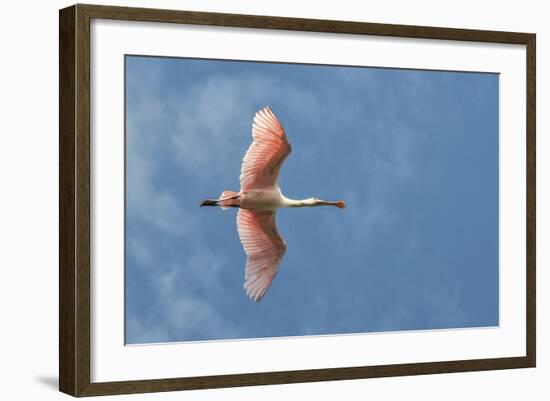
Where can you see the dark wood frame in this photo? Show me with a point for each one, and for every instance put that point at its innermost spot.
(74, 199)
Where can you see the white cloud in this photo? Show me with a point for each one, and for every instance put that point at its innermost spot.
(178, 312)
(214, 119)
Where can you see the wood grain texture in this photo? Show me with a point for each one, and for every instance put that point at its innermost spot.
(67, 294)
(82, 245)
(531, 228)
(74, 206)
(302, 376)
(74, 199)
(301, 24)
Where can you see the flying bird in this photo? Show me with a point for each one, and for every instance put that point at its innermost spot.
(258, 201)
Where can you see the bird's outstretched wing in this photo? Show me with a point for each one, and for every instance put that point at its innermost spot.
(269, 149)
(265, 248)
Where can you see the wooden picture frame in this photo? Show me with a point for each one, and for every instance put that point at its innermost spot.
(75, 208)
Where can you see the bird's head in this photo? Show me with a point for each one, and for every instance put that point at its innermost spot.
(340, 204)
(320, 202)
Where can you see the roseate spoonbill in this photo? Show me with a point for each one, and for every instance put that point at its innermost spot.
(259, 199)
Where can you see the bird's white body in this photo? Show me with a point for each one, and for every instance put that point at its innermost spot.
(263, 199)
(271, 199)
(259, 199)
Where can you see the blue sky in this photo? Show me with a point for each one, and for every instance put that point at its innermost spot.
(413, 153)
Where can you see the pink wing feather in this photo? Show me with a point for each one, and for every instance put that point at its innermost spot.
(265, 248)
(269, 149)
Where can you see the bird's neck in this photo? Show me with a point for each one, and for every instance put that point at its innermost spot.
(309, 202)
(312, 202)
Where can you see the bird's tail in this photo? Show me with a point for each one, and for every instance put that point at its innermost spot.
(229, 199)
(226, 200)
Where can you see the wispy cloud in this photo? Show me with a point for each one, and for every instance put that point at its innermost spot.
(213, 118)
(180, 309)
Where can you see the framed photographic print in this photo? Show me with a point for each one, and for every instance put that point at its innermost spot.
(250, 200)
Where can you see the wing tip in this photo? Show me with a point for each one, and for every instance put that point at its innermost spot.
(256, 298)
(255, 294)
(266, 111)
